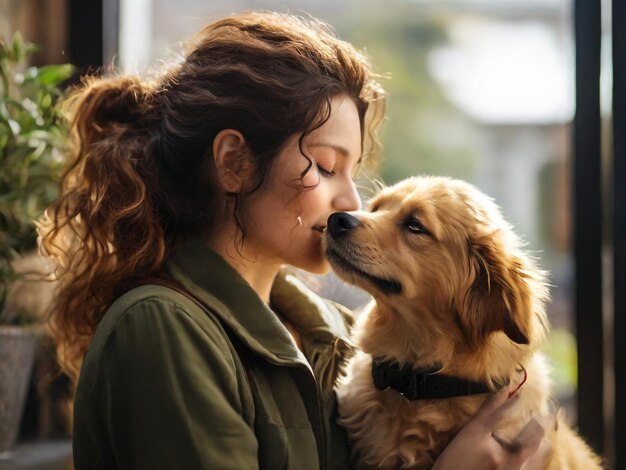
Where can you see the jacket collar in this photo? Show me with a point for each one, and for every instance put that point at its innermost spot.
(208, 276)
(311, 314)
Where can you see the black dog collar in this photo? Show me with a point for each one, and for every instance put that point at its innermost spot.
(420, 384)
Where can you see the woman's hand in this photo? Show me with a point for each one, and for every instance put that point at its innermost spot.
(478, 446)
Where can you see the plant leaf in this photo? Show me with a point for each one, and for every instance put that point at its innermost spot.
(46, 101)
(15, 127)
(53, 75)
(18, 47)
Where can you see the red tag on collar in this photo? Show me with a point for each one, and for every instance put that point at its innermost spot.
(520, 384)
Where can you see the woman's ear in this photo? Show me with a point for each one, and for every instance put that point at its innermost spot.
(232, 160)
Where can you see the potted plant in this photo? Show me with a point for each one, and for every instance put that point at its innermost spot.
(32, 137)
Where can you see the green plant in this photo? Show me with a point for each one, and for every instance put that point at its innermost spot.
(32, 138)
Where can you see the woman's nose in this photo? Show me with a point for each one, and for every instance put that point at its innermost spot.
(347, 199)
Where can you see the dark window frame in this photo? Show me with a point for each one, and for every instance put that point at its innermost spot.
(587, 221)
(618, 36)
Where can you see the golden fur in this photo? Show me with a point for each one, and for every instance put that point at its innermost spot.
(471, 303)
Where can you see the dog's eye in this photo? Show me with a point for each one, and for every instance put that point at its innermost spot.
(415, 226)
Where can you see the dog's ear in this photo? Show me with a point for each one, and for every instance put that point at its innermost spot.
(499, 298)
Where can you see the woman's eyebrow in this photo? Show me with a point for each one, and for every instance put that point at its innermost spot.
(338, 148)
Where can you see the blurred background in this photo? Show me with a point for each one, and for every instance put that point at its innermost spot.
(482, 90)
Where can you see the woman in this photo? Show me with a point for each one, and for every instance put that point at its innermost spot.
(183, 200)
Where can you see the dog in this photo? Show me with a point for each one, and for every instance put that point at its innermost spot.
(458, 312)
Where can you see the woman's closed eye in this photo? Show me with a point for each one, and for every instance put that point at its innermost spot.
(324, 172)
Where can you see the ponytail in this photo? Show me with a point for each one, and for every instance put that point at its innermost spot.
(103, 230)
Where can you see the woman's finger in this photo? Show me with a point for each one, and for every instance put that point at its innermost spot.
(494, 401)
(528, 440)
(496, 409)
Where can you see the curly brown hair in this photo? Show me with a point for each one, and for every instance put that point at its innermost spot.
(141, 172)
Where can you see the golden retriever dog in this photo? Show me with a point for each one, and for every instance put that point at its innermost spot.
(458, 313)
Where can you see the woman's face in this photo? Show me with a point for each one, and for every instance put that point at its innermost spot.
(284, 223)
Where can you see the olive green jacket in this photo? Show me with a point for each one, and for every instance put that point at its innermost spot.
(167, 384)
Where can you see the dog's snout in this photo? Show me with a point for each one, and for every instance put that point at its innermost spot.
(340, 223)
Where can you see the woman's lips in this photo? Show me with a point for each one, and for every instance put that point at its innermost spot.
(320, 228)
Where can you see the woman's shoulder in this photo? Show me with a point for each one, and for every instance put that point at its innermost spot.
(158, 313)
(155, 338)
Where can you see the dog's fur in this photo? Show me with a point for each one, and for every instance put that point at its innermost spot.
(459, 295)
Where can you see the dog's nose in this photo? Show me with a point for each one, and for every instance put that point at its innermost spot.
(340, 223)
